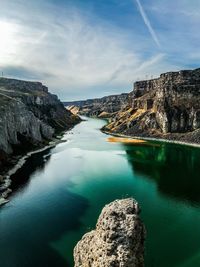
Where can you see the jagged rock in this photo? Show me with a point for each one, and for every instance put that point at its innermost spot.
(117, 241)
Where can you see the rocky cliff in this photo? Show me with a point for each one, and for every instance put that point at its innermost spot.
(118, 239)
(166, 107)
(29, 116)
(103, 107)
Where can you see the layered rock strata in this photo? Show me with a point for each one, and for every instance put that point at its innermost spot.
(166, 107)
(103, 107)
(28, 112)
(29, 118)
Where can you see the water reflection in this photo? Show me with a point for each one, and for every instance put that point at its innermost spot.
(38, 230)
(43, 220)
(36, 162)
(174, 168)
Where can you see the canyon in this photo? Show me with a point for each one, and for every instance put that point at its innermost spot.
(30, 118)
(99, 107)
(167, 107)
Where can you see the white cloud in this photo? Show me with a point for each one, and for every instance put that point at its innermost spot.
(84, 57)
(148, 23)
(8, 43)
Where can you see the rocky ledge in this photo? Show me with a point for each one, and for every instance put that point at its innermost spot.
(30, 117)
(118, 239)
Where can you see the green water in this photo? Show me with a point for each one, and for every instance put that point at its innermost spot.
(59, 194)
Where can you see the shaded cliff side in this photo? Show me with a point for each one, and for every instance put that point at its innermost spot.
(118, 239)
(29, 117)
(103, 107)
(166, 107)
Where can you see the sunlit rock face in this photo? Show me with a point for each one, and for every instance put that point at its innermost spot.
(168, 106)
(118, 239)
(29, 114)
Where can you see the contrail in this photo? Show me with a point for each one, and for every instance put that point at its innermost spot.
(147, 23)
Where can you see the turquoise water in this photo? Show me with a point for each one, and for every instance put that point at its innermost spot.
(59, 193)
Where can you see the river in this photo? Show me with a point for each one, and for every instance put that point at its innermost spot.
(58, 195)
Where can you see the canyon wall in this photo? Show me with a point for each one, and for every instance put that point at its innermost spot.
(103, 107)
(168, 107)
(29, 115)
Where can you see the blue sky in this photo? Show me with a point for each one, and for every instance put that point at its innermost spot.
(90, 48)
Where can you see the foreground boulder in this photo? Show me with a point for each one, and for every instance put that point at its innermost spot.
(118, 240)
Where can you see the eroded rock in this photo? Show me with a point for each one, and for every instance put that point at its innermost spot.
(167, 107)
(29, 115)
(117, 241)
(104, 107)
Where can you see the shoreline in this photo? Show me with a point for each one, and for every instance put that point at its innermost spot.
(153, 139)
(19, 164)
(4, 187)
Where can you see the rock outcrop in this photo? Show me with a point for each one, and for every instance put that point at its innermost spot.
(29, 115)
(118, 239)
(104, 107)
(166, 107)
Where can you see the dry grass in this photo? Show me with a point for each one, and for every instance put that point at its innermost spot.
(125, 140)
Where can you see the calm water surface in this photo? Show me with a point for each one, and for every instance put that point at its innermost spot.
(58, 195)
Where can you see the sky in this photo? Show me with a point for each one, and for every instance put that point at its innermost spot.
(91, 48)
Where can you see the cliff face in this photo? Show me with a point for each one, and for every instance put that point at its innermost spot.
(29, 115)
(99, 107)
(168, 106)
(118, 239)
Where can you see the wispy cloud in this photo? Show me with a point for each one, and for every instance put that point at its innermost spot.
(148, 23)
(78, 55)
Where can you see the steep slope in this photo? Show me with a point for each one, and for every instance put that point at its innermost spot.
(99, 107)
(166, 107)
(29, 116)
